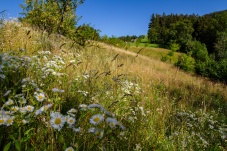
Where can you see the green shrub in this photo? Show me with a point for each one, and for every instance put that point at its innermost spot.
(186, 63)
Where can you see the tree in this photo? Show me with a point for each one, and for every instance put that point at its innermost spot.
(54, 16)
(181, 33)
(221, 46)
(84, 33)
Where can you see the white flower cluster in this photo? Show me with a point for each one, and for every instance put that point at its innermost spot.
(198, 127)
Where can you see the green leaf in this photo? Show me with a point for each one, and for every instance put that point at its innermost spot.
(26, 133)
(17, 144)
(6, 148)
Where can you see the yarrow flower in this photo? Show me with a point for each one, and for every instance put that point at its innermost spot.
(96, 119)
(39, 96)
(111, 122)
(57, 120)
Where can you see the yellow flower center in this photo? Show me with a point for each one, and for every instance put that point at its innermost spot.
(29, 108)
(45, 108)
(2, 121)
(71, 121)
(97, 119)
(40, 97)
(112, 124)
(9, 121)
(57, 121)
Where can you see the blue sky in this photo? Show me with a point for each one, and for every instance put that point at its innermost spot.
(127, 17)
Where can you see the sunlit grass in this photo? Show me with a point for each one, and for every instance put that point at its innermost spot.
(59, 96)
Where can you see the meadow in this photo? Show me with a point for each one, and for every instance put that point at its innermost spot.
(57, 95)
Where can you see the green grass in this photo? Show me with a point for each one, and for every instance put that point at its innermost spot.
(155, 53)
(56, 94)
(144, 45)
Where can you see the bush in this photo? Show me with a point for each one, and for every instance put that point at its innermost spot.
(185, 62)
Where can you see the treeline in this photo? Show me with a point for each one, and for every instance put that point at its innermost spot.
(202, 39)
(132, 38)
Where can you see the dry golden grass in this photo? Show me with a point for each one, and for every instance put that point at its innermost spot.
(149, 71)
(152, 71)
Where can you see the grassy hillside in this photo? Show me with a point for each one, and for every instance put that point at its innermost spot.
(101, 98)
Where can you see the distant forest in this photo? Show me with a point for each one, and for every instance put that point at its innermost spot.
(202, 38)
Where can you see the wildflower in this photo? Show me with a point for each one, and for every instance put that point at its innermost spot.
(23, 110)
(14, 109)
(9, 120)
(70, 120)
(45, 107)
(57, 120)
(69, 149)
(39, 96)
(77, 129)
(94, 106)
(96, 119)
(2, 120)
(121, 126)
(72, 110)
(99, 133)
(37, 112)
(91, 130)
(112, 122)
(25, 80)
(83, 107)
(29, 108)
(9, 102)
(58, 90)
